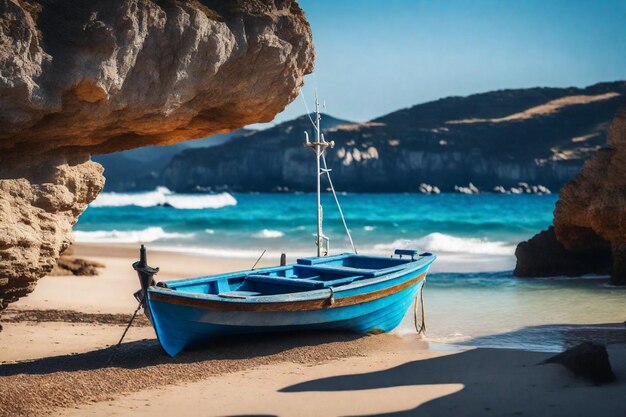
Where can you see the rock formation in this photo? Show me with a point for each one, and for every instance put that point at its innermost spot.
(41, 198)
(94, 76)
(589, 219)
(543, 256)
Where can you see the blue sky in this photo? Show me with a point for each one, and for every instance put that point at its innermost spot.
(374, 57)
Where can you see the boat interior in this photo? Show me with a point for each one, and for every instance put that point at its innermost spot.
(306, 275)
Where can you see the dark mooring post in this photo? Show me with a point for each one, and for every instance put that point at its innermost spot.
(146, 274)
(283, 259)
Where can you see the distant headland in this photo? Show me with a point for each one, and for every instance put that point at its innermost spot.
(508, 141)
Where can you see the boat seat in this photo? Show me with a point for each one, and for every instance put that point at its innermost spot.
(341, 281)
(238, 294)
(222, 286)
(342, 270)
(294, 282)
(406, 252)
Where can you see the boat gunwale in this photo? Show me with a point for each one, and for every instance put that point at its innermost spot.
(426, 259)
(301, 296)
(311, 304)
(234, 274)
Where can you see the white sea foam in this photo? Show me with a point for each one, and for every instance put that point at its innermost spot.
(209, 231)
(442, 243)
(236, 253)
(149, 234)
(163, 196)
(269, 234)
(369, 228)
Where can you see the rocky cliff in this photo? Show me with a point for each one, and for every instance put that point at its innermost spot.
(589, 219)
(93, 76)
(538, 136)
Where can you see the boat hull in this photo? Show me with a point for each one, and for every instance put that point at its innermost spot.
(181, 322)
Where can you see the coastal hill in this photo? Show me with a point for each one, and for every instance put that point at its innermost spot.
(134, 168)
(500, 138)
(144, 168)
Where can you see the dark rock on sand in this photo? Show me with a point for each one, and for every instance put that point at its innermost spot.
(94, 76)
(69, 265)
(590, 216)
(587, 360)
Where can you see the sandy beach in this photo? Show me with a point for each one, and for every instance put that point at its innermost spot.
(460, 205)
(57, 359)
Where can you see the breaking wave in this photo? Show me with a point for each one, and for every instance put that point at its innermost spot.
(149, 234)
(269, 234)
(162, 196)
(443, 243)
(236, 253)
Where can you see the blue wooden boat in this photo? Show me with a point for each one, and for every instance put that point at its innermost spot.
(350, 292)
(363, 294)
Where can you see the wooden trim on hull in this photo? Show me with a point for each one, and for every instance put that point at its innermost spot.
(305, 305)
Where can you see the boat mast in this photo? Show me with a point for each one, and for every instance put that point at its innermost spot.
(318, 153)
(319, 147)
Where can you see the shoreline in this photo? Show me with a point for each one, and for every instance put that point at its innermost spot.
(112, 290)
(110, 293)
(56, 348)
(446, 262)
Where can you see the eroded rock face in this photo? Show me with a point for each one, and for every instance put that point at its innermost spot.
(106, 76)
(590, 216)
(40, 200)
(94, 76)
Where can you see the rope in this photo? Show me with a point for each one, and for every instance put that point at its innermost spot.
(421, 328)
(330, 181)
(315, 83)
(331, 297)
(257, 261)
(308, 112)
(332, 188)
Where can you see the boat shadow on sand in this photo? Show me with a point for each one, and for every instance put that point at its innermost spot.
(148, 353)
(490, 381)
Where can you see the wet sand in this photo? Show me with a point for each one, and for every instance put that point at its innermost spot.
(56, 359)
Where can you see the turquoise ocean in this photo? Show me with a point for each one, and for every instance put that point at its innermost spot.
(471, 296)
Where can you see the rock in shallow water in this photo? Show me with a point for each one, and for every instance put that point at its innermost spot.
(589, 219)
(93, 76)
(544, 256)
